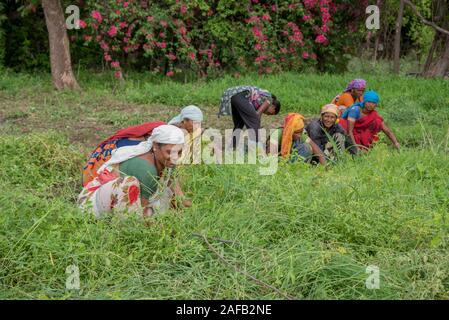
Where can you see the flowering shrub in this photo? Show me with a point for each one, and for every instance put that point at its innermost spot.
(209, 35)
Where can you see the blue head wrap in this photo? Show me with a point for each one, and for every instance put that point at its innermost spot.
(371, 96)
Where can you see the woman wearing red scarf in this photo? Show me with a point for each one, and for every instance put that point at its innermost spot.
(363, 123)
(122, 138)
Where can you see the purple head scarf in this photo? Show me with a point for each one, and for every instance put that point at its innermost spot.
(357, 84)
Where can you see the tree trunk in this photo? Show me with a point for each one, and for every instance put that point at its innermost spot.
(431, 53)
(440, 45)
(397, 39)
(61, 65)
(441, 67)
(378, 34)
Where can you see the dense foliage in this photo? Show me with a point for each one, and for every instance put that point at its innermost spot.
(208, 35)
(204, 36)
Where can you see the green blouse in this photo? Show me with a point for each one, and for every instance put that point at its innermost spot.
(145, 172)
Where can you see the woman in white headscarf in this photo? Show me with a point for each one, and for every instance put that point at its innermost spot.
(189, 120)
(133, 179)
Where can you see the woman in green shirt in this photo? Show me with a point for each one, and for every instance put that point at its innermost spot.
(133, 179)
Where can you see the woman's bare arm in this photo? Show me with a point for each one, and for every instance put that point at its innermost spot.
(177, 190)
(351, 123)
(147, 211)
(391, 136)
(263, 107)
(317, 152)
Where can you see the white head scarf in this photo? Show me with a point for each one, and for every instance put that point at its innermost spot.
(167, 134)
(190, 112)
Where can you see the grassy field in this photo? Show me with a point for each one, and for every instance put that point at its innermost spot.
(306, 232)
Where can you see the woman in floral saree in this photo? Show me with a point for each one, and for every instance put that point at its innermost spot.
(134, 179)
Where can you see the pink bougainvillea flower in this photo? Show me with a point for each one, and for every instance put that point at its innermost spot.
(309, 4)
(321, 39)
(112, 31)
(97, 16)
(305, 55)
(162, 35)
(107, 57)
(163, 23)
(161, 45)
(118, 12)
(183, 9)
(171, 56)
(87, 38)
(118, 75)
(123, 25)
(104, 45)
(150, 18)
(170, 74)
(274, 8)
(266, 17)
(82, 24)
(257, 32)
(306, 17)
(261, 58)
(182, 30)
(258, 46)
(115, 64)
(253, 19)
(125, 4)
(192, 55)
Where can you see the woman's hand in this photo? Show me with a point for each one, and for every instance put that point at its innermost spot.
(187, 203)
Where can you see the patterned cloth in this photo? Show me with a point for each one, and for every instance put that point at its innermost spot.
(366, 129)
(102, 154)
(257, 97)
(292, 122)
(118, 195)
(110, 193)
(357, 84)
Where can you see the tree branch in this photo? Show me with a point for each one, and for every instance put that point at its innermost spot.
(424, 20)
(246, 274)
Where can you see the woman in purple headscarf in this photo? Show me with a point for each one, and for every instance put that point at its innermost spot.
(352, 94)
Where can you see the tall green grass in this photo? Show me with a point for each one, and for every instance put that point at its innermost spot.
(307, 231)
